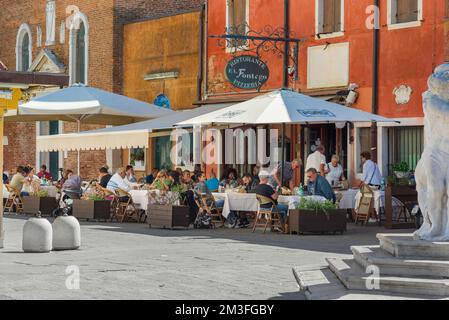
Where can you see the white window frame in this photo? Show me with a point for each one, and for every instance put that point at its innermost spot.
(136, 168)
(24, 29)
(38, 36)
(391, 16)
(228, 21)
(319, 15)
(79, 17)
(50, 39)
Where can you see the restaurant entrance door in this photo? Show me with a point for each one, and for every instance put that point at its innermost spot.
(333, 139)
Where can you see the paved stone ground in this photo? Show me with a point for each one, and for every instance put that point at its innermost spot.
(131, 261)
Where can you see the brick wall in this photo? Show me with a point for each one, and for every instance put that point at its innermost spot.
(106, 19)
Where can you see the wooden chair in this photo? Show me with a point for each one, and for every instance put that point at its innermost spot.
(14, 200)
(339, 196)
(114, 200)
(267, 216)
(216, 214)
(123, 212)
(366, 205)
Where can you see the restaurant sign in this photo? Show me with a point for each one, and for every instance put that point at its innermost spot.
(247, 72)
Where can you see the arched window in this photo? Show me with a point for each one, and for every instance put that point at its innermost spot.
(79, 49)
(80, 69)
(25, 52)
(23, 48)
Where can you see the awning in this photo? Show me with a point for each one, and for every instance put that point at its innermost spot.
(134, 135)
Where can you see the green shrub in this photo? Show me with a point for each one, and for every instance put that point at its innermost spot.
(310, 204)
(401, 167)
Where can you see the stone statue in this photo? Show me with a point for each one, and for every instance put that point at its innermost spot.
(432, 171)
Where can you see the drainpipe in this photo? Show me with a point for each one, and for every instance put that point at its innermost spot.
(205, 48)
(285, 82)
(375, 90)
(200, 55)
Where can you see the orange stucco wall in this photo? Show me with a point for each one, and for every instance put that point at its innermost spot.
(407, 56)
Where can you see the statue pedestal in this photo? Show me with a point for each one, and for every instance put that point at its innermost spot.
(400, 265)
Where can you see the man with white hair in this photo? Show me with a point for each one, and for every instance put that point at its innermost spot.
(117, 181)
(264, 189)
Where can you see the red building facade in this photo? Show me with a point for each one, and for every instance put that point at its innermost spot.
(336, 50)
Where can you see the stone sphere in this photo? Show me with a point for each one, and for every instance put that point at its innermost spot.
(37, 236)
(66, 233)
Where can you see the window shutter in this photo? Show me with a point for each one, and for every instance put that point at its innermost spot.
(337, 15)
(447, 8)
(328, 16)
(407, 11)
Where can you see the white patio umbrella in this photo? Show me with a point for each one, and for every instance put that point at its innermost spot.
(285, 106)
(282, 107)
(80, 103)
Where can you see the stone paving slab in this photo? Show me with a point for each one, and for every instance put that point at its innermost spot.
(132, 261)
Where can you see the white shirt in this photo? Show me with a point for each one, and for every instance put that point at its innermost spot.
(371, 173)
(315, 160)
(334, 174)
(118, 182)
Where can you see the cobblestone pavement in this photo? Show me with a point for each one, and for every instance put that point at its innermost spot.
(131, 261)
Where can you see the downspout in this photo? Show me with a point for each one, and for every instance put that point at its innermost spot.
(200, 56)
(205, 47)
(285, 82)
(375, 80)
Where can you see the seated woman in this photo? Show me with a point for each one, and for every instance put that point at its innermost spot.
(32, 182)
(72, 186)
(162, 181)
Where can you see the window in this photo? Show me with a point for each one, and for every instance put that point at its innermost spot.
(404, 13)
(137, 158)
(79, 49)
(405, 144)
(23, 48)
(50, 25)
(329, 17)
(237, 20)
(363, 145)
(38, 36)
(80, 73)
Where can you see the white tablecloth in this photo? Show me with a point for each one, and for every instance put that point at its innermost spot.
(51, 190)
(349, 198)
(141, 198)
(234, 201)
(293, 201)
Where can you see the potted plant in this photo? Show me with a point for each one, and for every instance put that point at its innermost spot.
(313, 216)
(165, 210)
(93, 206)
(401, 170)
(39, 202)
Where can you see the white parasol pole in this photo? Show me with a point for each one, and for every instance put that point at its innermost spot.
(78, 122)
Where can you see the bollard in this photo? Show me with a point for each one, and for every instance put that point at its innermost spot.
(37, 235)
(66, 233)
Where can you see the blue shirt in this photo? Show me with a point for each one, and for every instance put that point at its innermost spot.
(212, 184)
(321, 187)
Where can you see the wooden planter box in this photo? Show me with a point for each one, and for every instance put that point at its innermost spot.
(168, 216)
(46, 205)
(310, 221)
(89, 209)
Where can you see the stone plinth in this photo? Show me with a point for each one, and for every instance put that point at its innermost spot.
(399, 266)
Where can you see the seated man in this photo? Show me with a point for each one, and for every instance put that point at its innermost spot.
(248, 183)
(130, 175)
(264, 189)
(151, 177)
(319, 186)
(117, 181)
(18, 180)
(43, 173)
